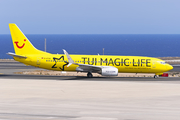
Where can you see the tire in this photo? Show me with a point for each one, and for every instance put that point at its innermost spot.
(89, 75)
(155, 76)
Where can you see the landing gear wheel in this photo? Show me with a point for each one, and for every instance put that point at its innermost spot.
(155, 76)
(89, 75)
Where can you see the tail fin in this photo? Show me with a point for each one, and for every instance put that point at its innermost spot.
(22, 45)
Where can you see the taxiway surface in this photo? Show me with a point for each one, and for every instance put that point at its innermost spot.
(36, 97)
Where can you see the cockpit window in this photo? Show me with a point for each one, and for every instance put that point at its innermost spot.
(163, 62)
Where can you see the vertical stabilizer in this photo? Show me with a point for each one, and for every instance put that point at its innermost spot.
(22, 45)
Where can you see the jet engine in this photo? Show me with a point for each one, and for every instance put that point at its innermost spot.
(109, 71)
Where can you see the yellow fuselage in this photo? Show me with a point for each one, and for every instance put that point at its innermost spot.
(128, 64)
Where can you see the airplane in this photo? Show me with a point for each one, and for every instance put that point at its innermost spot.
(106, 65)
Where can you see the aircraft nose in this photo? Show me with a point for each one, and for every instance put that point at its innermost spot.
(169, 67)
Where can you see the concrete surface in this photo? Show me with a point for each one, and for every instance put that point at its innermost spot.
(36, 97)
(67, 98)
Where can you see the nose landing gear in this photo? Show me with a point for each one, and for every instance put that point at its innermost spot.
(155, 76)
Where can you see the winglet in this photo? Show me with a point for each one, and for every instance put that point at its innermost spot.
(70, 60)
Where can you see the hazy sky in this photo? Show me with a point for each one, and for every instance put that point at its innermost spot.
(91, 16)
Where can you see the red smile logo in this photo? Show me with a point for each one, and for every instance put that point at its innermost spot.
(20, 46)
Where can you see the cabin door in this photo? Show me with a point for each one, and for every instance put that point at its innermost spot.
(153, 64)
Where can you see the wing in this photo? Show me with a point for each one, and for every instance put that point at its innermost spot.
(89, 68)
(85, 67)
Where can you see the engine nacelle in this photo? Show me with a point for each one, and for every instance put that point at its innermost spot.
(109, 71)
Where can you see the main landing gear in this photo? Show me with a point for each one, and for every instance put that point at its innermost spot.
(155, 76)
(89, 75)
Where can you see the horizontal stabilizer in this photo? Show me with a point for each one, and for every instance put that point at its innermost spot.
(14, 55)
